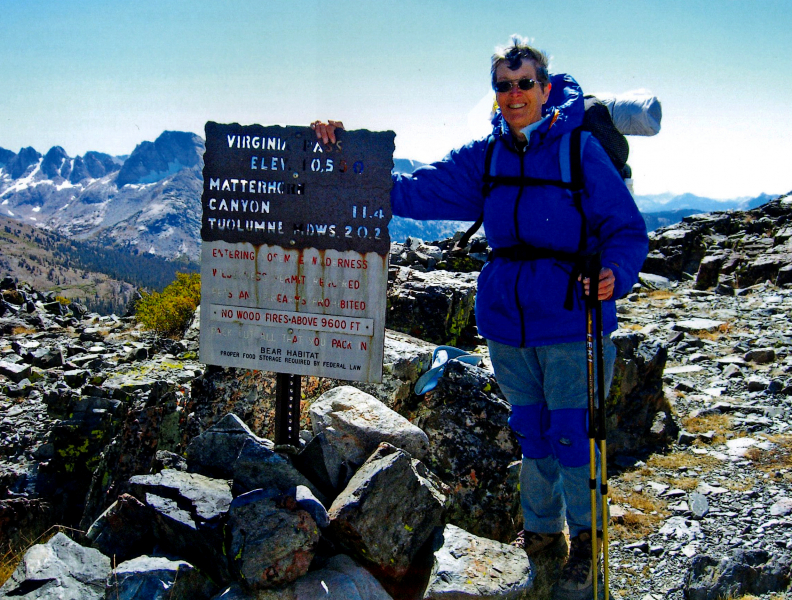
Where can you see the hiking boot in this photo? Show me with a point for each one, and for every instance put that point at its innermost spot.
(576, 579)
(553, 544)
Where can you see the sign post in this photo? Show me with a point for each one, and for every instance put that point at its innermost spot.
(287, 410)
(294, 258)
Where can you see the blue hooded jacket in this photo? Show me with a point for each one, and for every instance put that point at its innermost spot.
(519, 302)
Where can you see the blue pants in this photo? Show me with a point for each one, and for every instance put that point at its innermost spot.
(547, 388)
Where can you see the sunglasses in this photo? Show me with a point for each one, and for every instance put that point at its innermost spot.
(524, 84)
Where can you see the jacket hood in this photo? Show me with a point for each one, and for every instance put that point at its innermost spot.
(563, 111)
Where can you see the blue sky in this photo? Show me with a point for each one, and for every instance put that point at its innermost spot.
(107, 75)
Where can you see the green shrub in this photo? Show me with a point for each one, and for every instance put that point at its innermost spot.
(170, 312)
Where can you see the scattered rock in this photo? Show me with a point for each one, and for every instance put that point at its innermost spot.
(467, 566)
(699, 505)
(214, 452)
(470, 449)
(59, 568)
(760, 356)
(158, 578)
(682, 529)
(15, 372)
(743, 572)
(257, 466)
(341, 578)
(89, 415)
(781, 508)
(272, 541)
(694, 325)
(435, 306)
(354, 424)
(124, 530)
(190, 511)
(388, 510)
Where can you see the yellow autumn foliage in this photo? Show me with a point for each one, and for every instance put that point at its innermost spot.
(170, 312)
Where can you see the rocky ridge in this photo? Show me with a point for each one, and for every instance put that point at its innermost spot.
(97, 416)
(727, 250)
(148, 201)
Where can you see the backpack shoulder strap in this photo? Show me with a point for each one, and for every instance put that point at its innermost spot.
(570, 157)
(488, 183)
(486, 189)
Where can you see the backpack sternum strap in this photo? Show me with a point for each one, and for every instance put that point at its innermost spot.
(528, 252)
(524, 181)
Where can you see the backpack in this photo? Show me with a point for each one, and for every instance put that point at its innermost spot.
(598, 122)
(635, 113)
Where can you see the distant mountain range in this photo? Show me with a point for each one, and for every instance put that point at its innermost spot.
(149, 201)
(675, 202)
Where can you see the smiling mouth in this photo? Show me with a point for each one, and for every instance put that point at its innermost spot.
(516, 106)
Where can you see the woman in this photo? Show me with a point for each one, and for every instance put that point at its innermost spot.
(530, 303)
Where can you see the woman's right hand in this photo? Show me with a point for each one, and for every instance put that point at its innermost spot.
(326, 131)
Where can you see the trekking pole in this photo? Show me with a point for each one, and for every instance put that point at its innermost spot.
(592, 272)
(601, 438)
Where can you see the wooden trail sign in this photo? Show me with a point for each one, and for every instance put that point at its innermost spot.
(294, 259)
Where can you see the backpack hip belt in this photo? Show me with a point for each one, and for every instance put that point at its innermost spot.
(526, 252)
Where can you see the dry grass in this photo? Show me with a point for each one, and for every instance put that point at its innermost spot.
(719, 424)
(637, 476)
(684, 483)
(676, 460)
(8, 564)
(636, 525)
(634, 577)
(643, 474)
(22, 331)
(713, 336)
(738, 486)
(645, 512)
(778, 457)
(660, 294)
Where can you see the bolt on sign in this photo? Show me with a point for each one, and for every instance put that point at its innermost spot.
(294, 260)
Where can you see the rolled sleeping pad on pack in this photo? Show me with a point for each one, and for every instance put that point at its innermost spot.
(635, 113)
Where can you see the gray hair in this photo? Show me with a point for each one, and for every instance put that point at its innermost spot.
(514, 54)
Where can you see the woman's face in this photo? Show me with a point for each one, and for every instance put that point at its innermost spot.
(519, 107)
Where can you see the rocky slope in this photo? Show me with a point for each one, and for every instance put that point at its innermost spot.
(418, 491)
(49, 261)
(729, 250)
(102, 278)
